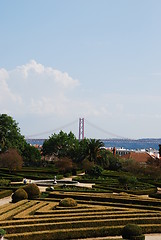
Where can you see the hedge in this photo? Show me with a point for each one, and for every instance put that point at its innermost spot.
(107, 198)
(5, 193)
(59, 219)
(155, 195)
(79, 224)
(63, 234)
(31, 210)
(15, 209)
(136, 192)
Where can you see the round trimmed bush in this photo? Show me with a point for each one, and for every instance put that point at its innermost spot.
(68, 202)
(32, 190)
(132, 232)
(19, 194)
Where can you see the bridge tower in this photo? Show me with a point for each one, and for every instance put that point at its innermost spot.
(81, 128)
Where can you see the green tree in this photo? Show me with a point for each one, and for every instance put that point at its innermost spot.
(102, 159)
(60, 145)
(95, 171)
(80, 151)
(94, 147)
(31, 155)
(10, 136)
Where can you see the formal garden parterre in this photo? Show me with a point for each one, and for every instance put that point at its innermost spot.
(46, 219)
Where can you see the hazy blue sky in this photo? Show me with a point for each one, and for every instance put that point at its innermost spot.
(97, 59)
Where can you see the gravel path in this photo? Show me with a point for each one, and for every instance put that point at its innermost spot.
(5, 200)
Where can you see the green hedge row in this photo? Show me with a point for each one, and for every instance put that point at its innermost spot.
(81, 189)
(62, 218)
(14, 209)
(30, 210)
(110, 204)
(64, 234)
(78, 224)
(155, 195)
(113, 199)
(136, 192)
(5, 193)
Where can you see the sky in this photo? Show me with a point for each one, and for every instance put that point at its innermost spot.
(61, 60)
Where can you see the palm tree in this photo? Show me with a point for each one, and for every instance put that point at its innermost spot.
(94, 147)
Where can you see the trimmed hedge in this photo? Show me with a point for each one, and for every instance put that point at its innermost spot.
(5, 193)
(32, 190)
(107, 198)
(155, 195)
(132, 232)
(63, 234)
(68, 202)
(19, 194)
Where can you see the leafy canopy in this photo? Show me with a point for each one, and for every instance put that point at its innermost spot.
(10, 136)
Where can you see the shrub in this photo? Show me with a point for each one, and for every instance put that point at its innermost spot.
(19, 194)
(2, 232)
(4, 182)
(132, 232)
(5, 193)
(95, 171)
(68, 202)
(32, 190)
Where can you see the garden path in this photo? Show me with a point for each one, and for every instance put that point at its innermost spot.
(5, 200)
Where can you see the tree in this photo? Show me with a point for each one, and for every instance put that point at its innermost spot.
(10, 136)
(95, 171)
(114, 163)
(80, 151)
(31, 155)
(94, 147)
(102, 159)
(11, 159)
(87, 165)
(64, 165)
(61, 145)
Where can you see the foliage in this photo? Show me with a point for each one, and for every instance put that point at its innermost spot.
(19, 194)
(103, 159)
(131, 230)
(126, 180)
(11, 159)
(87, 165)
(114, 163)
(80, 151)
(5, 193)
(152, 170)
(61, 144)
(64, 165)
(95, 171)
(68, 202)
(10, 136)
(4, 182)
(32, 190)
(31, 155)
(2, 232)
(94, 147)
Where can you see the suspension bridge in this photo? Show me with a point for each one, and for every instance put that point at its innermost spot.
(81, 129)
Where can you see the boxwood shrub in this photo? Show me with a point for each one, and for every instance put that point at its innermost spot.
(132, 232)
(19, 194)
(32, 190)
